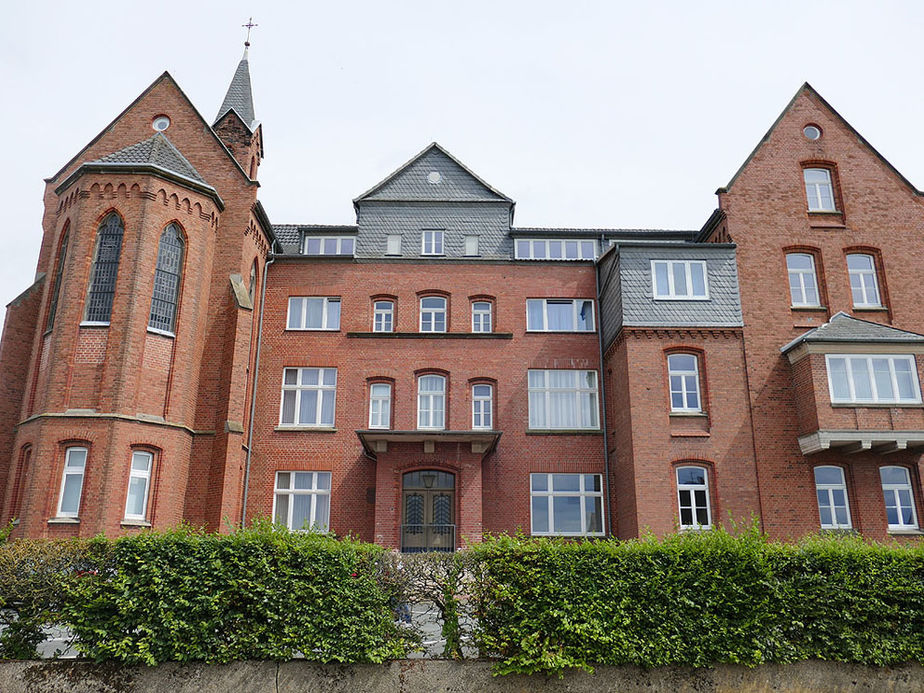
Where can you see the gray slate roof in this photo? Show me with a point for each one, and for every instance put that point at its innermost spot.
(620, 234)
(410, 182)
(240, 96)
(848, 329)
(157, 151)
(290, 235)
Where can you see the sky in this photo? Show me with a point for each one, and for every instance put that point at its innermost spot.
(588, 114)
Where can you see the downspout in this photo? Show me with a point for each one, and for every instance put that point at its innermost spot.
(606, 440)
(253, 389)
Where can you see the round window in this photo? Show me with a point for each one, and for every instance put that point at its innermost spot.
(812, 132)
(434, 177)
(161, 123)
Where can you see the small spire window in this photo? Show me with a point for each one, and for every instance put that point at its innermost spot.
(167, 280)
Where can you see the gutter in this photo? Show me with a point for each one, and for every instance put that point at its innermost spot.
(253, 389)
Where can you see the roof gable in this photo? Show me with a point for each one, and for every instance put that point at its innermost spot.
(433, 175)
(808, 91)
(847, 329)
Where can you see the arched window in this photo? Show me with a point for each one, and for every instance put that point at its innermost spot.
(831, 490)
(56, 289)
(683, 374)
(898, 494)
(431, 401)
(167, 279)
(105, 270)
(693, 495)
(252, 286)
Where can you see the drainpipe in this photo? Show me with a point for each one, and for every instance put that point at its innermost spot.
(606, 440)
(253, 389)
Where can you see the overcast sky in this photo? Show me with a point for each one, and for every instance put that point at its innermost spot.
(614, 114)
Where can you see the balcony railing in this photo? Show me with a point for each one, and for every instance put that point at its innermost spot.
(421, 538)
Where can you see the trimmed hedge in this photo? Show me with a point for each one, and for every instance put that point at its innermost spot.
(697, 599)
(263, 593)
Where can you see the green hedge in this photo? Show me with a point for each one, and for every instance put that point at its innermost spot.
(261, 593)
(697, 599)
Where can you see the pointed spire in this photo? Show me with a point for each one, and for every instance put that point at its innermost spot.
(240, 96)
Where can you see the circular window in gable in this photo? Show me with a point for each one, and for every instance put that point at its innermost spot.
(812, 132)
(434, 177)
(161, 123)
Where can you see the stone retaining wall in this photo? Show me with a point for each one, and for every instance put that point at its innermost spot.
(421, 676)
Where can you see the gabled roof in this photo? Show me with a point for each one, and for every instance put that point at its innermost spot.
(239, 97)
(807, 88)
(158, 151)
(456, 182)
(844, 328)
(165, 76)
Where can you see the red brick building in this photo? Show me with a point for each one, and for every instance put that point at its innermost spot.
(434, 372)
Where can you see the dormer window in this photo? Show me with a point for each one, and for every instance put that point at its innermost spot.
(555, 249)
(431, 242)
(679, 280)
(819, 190)
(328, 245)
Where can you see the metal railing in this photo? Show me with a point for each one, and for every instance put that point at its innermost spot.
(421, 538)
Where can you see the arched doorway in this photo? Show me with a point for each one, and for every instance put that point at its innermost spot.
(428, 511)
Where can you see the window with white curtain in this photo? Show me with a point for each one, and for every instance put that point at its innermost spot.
(559, 315)
(482, 406)
(481, 316)
(308, 397)
(313, 313)
(899, 498)
(863, 284)
(566, 504)
(383, 319)
(563, 399)
(803, 283)
(301, 500)
(380, 405)
(874, 379)
(431, 401)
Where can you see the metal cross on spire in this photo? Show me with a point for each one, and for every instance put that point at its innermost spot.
(249, 25)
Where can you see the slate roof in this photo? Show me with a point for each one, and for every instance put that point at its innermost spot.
(844, 328)
(630, 234)
(156, 151)
(456, 182)
(290, 235)
(240, 96)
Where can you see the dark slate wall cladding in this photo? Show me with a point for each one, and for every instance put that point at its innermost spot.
(455, 183)
(489, 221)
(610, 298)
(640, 309)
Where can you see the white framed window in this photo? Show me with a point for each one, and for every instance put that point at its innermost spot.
(383, 316)
(308, 397)
(431, 242)
(481, 316)
(680, 280)
(380, 405)
(899, 498)
(313, 313)
(831, 490)
(693, 498)
(559, 315)
(328, 245)
(301, 500)
(471, 246)
(566, 504)
(803, 282)
(818, 190)
(393, 244)
(482, 406)
(874, 379)
(864, 287)
(555, 249)
(431, 402)
(432, 314)
(683, 375)
(139, 484)
(75, 464)
(563, 399)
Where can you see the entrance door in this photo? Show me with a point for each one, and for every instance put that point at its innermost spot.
(428, 512)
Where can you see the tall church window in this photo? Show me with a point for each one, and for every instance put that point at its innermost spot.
(56, 289)
(167, 280)
(105, 270)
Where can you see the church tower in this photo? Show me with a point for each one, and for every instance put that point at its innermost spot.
(127, 362)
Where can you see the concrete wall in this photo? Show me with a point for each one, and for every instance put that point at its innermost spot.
(421, 676)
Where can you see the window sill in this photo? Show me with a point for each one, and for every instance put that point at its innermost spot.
(311, 329)
(870, 309)
(808, 308)
(690, 434)
(567, 534)
(563, 432)
(877, 405)
(430, 335)
(64, 521)
(905, 532)
(689, 414)
(681, 298)
(162, 333)
(86, 323)
(134, 523)
(561, 332)
(311, 429)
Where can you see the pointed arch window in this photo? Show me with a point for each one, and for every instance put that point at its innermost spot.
(105, 270)
(167, 280)
(56, 289)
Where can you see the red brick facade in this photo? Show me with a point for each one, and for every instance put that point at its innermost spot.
(186, 396)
